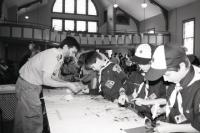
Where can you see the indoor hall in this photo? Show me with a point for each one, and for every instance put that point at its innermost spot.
(116, 30)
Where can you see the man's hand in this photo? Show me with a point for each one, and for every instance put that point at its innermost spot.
(76, 87)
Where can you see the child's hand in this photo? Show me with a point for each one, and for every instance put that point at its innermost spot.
(140, 101)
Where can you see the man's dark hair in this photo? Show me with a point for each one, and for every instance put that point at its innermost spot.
(70, 42)
(90, 58)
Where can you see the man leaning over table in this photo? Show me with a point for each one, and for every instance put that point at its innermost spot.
(42, 69)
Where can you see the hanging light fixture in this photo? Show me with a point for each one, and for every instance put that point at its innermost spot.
(115, 4)
(144, 4)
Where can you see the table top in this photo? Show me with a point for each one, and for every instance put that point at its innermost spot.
(8, 88)
(87, 114)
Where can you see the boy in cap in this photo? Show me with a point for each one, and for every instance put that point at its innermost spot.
(183, 97)
(111, 77)
(147, 93)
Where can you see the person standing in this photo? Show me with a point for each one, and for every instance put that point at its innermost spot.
(41, 69)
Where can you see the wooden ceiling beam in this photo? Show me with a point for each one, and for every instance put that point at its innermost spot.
(1, 7)
(29, 4)
(164, 12)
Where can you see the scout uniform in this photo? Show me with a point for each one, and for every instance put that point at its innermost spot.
(183, 97)
(147, 90)
(189, 96)
(111, 79)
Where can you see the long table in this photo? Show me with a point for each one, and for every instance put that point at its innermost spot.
(87, 114)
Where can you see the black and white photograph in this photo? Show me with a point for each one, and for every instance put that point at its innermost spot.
(99, 66)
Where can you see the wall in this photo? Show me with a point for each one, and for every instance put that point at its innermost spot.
(4, 12)
(156, 22)
(103, 28)
(2, 51)
(177, 16)
(127, 28)
(110, 20)
(12, 13)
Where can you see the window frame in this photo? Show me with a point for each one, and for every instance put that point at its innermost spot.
(75, 8)
(52, 22)
(75, 26)
(183, 31)
(75, 17)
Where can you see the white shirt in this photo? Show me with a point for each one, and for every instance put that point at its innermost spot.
(46, 61)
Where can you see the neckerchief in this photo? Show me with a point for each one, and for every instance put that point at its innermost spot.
(175, 95)
(106, 64)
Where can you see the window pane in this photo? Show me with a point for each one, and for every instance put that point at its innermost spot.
(81, 6)
(92, 26)
(57, 7)
(81, 26)
(91, 8)
(57, 24)
(189, 29)
(69, 25)
(69, 6)
(189, 45)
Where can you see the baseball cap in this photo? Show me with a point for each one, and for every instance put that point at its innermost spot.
(142, 54)
(165, 57)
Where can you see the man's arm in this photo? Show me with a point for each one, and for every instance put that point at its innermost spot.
(47, 80)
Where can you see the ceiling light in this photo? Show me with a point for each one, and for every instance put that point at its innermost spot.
(115, 4)
(144, 4)
(26, 17)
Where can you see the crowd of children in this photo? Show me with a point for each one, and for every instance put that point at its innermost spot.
(165, 90)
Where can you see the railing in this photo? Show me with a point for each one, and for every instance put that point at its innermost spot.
(29, 31)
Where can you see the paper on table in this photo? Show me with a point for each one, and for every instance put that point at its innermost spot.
(87, 114)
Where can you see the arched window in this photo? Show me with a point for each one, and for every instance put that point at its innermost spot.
(75, 15)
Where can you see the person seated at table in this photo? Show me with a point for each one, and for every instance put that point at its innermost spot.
(147, 93)
(88, 76)
(111, 77)
(183, 96)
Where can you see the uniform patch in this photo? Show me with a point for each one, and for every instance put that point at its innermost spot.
(117, 68)
(180, 118)
(110, 83)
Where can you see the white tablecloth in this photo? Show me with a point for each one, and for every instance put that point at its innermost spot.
(87, 114)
